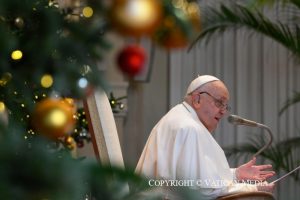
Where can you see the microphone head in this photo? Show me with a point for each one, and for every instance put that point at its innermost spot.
(237, 120)
(234, 119)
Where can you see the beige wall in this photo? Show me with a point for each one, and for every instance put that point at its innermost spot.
(147, 103)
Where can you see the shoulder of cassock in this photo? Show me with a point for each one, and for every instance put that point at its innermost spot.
(180, 147)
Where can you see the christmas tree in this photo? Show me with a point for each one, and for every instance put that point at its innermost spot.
(49, 55)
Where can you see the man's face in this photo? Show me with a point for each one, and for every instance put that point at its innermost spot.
(214, 98)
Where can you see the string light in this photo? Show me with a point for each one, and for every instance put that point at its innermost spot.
(82, 83)
(87, 12)
(46, 81)
(16, 55)
(116, 103)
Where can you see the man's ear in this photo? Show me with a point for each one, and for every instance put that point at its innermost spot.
(196, 99)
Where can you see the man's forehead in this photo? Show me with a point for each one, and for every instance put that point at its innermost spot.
(218, 89)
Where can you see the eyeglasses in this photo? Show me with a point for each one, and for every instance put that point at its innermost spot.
(218, 103)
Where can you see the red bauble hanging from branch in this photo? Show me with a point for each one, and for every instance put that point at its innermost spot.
(131, 60)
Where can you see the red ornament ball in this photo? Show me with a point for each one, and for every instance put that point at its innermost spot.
(131, 59)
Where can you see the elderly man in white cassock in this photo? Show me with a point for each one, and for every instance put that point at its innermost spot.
(181, 147)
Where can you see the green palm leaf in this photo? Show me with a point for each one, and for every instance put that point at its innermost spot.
(272, 2)
(295, 99)
(284, 155)
(237, 16)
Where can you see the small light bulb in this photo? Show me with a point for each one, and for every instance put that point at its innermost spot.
(16, 55)
(82, 83)
(87, 12)
(46, 81)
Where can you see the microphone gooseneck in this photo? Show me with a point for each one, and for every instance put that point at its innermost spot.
(237, 120)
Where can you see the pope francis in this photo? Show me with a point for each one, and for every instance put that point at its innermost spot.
(181, 147)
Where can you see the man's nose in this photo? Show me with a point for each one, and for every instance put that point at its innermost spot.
(223, 111)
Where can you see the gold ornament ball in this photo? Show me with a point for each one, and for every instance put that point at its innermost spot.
(136, 17)
(54, 118)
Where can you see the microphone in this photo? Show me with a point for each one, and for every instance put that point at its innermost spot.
(237, 120)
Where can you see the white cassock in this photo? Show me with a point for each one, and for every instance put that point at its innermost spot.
(181, 148)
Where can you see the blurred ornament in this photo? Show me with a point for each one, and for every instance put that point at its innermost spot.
(70, 142)
(3, 114)
(19, 22)
(131, 59)
(5, 78)
(172, 35)
(136, 17)
(193, 12)
(80, 143)
(2, 107)
(71, 145)
(180, 26)
(54, 117)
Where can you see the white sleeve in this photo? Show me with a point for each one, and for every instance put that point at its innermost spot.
(233, 171)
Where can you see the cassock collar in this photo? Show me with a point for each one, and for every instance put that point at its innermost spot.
(191, 110)
(193, 113)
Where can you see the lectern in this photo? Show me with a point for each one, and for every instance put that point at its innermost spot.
(248, 196)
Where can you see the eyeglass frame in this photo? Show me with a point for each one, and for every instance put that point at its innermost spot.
(218, 103)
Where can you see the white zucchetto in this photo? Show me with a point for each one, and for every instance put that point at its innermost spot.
(199, 81)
